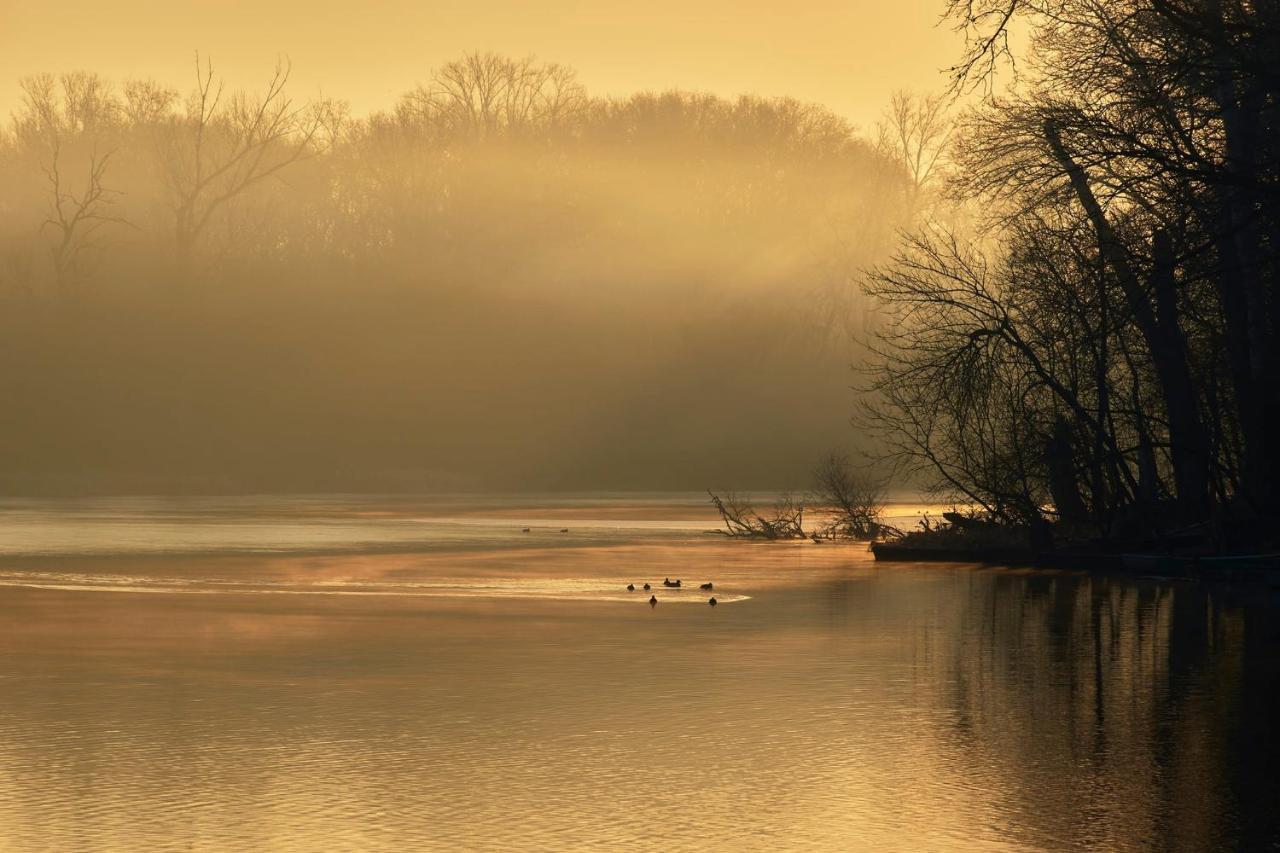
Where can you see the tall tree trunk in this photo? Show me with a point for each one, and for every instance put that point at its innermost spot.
(1064, 488)
(1188, 440)
(1240, 282)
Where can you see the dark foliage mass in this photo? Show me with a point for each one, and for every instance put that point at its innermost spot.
(503, 282)
(1103, 357)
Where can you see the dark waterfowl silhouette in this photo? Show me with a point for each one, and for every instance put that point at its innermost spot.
(707, 585)
(670, 582)
(526, 530)
(646, 587)
(564, 530)
(631, 587)
(712, 602)
(653, 601)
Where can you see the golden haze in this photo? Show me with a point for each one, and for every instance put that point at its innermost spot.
(846, 55)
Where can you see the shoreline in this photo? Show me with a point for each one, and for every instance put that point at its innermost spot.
(1245, 567)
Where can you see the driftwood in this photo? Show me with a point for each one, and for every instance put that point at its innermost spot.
(845, 503)
(741, 519)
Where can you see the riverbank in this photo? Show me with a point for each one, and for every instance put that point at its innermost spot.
(1263, 568)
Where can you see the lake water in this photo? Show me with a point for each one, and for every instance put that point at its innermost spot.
(384, 674)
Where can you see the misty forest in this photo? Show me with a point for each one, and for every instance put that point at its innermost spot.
(503, 282)
(1048, 295)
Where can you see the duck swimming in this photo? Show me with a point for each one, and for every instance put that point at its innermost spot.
(712, 602)
(646, 587)
(631, 587)
(707, 585)
(653, 601)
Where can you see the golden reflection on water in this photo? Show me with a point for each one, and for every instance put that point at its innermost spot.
(843, 705)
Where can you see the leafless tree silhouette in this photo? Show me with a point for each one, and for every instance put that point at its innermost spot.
(915, 131)
(77, 218)
(226, 144)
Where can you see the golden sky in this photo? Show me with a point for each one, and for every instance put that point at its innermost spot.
(847, 54)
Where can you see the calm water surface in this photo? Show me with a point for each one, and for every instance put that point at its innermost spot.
(341, 674)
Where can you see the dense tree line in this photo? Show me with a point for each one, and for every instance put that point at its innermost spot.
(1102, 352)
(142, 168)
(502, 281)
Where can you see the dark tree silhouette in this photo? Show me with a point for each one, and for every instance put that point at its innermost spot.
(1130, 186)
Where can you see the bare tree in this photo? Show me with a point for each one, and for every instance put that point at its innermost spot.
(915, 132)
(853, 500)
(75, 104)
(1168, 107)
(224, 146)
(147, 103)
(61, 118)
(980, 357)
(742, 520)
(985, 25)
(77, 218)
(484, 95)
(40, 118)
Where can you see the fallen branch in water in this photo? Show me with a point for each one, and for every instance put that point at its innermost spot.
(848, 503)
(741, 519)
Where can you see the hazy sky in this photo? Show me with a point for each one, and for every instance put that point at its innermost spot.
(847, 54)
